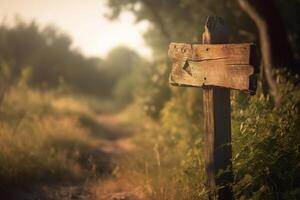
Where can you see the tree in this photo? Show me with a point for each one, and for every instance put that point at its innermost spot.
(124, 68)
(268, 58)
(48, 54)
(18, 46)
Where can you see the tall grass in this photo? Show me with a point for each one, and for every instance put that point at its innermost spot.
(42, 139)
(169, 158)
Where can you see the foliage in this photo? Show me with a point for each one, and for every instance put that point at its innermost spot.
(266, 144)
(125, 70)
(169, 157)
(153, 91)
(47, 56)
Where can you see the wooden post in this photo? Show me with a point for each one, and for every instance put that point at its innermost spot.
(217, 123)
(217, 67)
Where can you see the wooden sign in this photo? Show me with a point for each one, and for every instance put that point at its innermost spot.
(223, 65)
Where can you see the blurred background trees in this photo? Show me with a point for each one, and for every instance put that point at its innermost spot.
(49, 59)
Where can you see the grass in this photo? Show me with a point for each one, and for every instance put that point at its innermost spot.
(42, 139)
(168, 160)
(55, 136)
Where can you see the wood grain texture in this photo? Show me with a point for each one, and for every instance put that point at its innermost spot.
(224, 65)
(229, 53)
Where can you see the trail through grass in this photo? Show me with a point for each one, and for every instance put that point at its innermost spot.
(57, 146)
(102, 184)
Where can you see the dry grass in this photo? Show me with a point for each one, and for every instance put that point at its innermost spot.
(117, 188)
(49, 137)
(42, 139)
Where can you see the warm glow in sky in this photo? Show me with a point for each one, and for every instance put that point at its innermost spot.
(83, 20)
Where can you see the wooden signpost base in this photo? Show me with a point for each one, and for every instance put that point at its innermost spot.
(217, 137)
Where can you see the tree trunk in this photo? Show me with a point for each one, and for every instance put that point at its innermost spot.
(280, 47)
(273, 39)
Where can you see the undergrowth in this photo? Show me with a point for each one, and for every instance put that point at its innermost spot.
(266, 144)
(169, 160)
(43, 140)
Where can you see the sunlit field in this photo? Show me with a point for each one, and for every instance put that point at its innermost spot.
(87, 111)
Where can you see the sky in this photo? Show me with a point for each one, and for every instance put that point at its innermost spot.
(83, 20)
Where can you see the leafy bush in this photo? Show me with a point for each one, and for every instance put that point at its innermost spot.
(153, 92)
(266, 144)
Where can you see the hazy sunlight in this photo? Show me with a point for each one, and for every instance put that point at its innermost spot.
(84, 20)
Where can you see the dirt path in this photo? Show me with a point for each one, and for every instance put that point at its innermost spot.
(112, 188)
(117, 143)
(109, 136)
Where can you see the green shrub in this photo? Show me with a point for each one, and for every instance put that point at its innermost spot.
(266, 144)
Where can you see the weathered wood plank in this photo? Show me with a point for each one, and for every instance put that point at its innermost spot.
(223, 65)
(212, 73)
(228, 53)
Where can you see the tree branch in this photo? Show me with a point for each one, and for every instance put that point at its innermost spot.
(264, 37)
